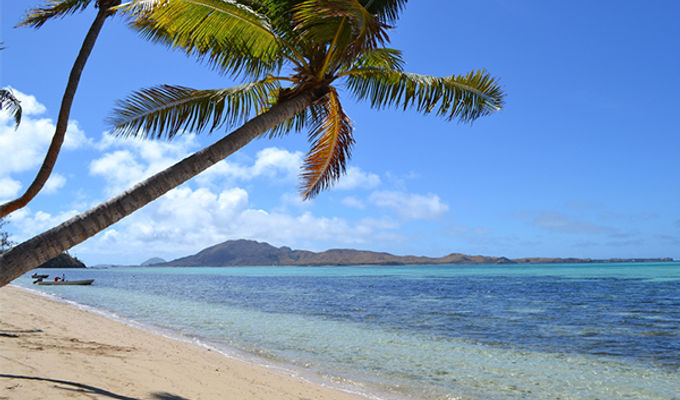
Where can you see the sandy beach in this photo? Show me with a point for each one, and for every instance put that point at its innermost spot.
(52, 350)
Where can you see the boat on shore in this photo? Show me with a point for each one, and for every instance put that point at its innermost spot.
(82, 282)
(39, 276)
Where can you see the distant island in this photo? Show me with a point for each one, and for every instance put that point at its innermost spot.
(251, 253)
(63, 260)
(152, 261)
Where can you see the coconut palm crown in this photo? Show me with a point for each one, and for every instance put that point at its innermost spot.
(319, 44)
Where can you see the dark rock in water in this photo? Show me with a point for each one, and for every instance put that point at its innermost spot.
(63, 260)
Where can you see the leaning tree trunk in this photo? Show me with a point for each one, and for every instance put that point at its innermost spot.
(53, 242)
(64, 112)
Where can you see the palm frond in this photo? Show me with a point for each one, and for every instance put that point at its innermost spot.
(465, 97)
(36, 17)
(386, 10)
(381, 57)
(226, 33)
(344, 25)
(332, 143)
(312, 18)
(165, 111)
(12, 104)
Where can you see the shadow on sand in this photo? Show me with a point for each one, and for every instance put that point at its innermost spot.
(87, 389)
(13, 333)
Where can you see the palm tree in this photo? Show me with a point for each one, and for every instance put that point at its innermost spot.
(36, 18)
(319, 43)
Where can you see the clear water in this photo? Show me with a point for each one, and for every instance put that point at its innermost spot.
(572, 331)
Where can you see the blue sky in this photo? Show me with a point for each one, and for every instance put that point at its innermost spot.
(583, 161)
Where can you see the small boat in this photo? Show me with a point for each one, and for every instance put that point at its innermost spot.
(82, 282)
(39, 276)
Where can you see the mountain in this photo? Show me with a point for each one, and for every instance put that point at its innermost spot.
(248, 252)
(63, 260)
(153, 261)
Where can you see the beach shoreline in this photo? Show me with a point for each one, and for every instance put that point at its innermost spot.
(52, 349)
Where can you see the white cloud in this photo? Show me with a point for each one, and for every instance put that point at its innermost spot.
(351, 201)
(28, 223)
(356, 178)
(120, 169)
(24, 149)
(54, 183)
(281, 165)
(186, 220)
(130, 160)
(272, 162)
(412, 206)
(29, 104)
(75, 137)
(8, 188)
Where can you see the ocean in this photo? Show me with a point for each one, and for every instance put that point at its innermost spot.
(554, 331)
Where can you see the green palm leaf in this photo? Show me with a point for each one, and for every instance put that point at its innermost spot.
(465, 97)
(345, 24)
(12, 104)
(227, 33)
(169, 110)
(382, 58)
(332, 142)
(386, 10)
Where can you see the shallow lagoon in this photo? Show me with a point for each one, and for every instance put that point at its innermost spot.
(572, 331)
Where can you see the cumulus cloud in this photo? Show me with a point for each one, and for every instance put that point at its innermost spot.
(195, 215)
(24, 148)
(29, 104)
(411, 206)
(272, 162)
(125, 162)
(353, 202)
(27, 223)
(355, 178)
(54, 183)
(120, 168)
(8, 188)
(186, 220)
(282, 165)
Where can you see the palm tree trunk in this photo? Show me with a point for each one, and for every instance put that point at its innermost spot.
(64, 112)
(49, 244)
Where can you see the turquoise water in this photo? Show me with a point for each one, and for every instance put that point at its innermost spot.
(572, 331)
